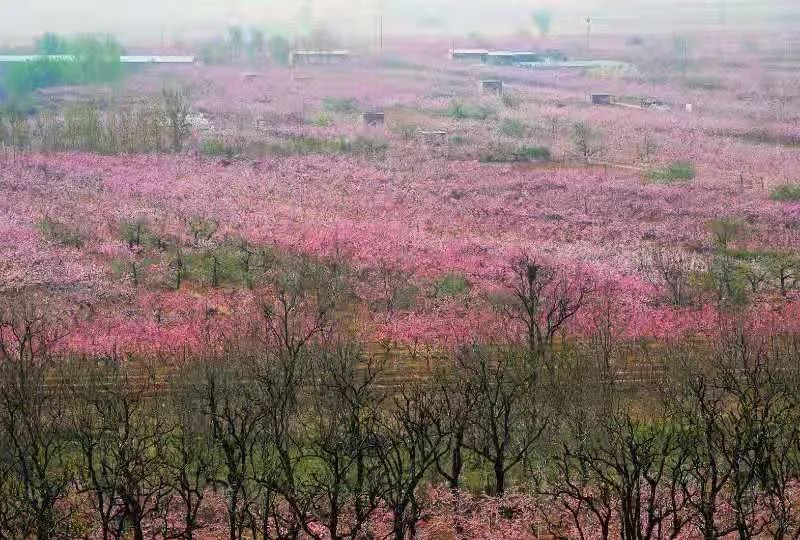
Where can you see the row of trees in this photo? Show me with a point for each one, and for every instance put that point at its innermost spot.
(89, 127)
(300, 433)
(727, 276)
(251, 45)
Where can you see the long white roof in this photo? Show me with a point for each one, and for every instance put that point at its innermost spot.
(129, 59)
(156, 59)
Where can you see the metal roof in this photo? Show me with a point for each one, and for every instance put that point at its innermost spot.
(14, 58)
(156, 59)
(469, 51)
(321, 53)
(132, 59)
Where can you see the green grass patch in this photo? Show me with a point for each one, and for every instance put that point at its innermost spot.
(359, 145)
(511, 127)
(462, 111)
(218, 147)
(514, 154)
(220, 266)
(680, 171)
(450, 285)
(340, 105)
(323, 120)
(138, 234)
(786, 192)
(60, 233)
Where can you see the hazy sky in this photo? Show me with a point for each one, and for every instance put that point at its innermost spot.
(146, 19)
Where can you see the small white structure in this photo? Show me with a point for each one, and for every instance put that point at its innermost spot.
(18, 58)
(156, 59)
(318, 57)
(689, 107)
(126, 59)
(470, 55)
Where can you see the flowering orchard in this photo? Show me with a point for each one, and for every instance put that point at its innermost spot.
(474, 317)
(150, 248)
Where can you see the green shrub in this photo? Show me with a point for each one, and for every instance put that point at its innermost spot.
(450, 285)
(359, 145)
(323, 120)
(367, 146)
(221, 265)
(505, 154)
(460, 111)
(83, 128)
(60, 233)
(87, 128)
(680, 171)
(511, 127)
(218, 147)
(340, 105)
(786, 192)
(725, 230)
(533, 153)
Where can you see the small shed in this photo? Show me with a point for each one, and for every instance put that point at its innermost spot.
(250, 76)
(373, 118)
(602, 99)
(492, 86)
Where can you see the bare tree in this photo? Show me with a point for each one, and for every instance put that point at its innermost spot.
(335, 478)
(411, 441)
(510, 418)
(627, 468)
(34, 448)
(543, 299)
(121, 435)
(235, 417)
(670, 270)
(456, 403)
(177, 106)
(587, 141)
(190, 460)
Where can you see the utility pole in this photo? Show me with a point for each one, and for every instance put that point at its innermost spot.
(379, 29)
(588, 33)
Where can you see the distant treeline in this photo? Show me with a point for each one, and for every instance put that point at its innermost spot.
(96, 60)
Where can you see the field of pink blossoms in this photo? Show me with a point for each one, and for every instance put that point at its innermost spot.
(418, 212)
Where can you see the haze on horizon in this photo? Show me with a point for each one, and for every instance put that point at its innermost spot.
(137, 21)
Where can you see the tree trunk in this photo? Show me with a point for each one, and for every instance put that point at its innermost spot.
(499, 477)
(399, 522)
